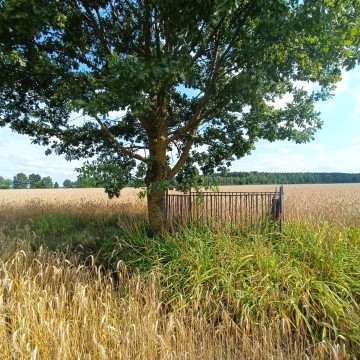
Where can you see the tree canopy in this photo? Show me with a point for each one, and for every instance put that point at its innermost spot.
(20, 181)
(68, 184)
(35, 181)
(5, 183)
(46, 182)
(169, 87)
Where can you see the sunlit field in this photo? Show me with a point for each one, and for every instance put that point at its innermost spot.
(81, 278)
(338, 203)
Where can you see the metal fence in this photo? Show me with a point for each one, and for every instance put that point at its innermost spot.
(255, 210)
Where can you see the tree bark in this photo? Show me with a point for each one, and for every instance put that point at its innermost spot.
(156, 176)
(156, 210)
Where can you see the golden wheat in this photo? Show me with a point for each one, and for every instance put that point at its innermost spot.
(337, 203)
(53, 307)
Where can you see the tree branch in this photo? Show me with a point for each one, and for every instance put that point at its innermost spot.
(196, 120)
(97, 27)
(192, 123)
(118, 146)
(215, 63)
(147, 29)
(247, 12)
(180, 163)
(202, 50)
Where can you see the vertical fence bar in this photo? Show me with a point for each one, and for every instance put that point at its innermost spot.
(262, 208)
(257, 212)
(269, 206)
(241, 209)
(253, 210)
(282, 214)
(236, 209)
(166, 210)
(190, 207)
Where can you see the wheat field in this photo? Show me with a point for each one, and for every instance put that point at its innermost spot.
(81, 279)
(337, 203)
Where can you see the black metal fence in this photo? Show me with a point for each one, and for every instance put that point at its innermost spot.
(255, 210)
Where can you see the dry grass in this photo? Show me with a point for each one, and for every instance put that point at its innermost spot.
(56, 305)
(338, 203)
(53, 307)
(15, 204)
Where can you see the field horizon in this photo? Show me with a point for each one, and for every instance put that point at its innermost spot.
(337, 203)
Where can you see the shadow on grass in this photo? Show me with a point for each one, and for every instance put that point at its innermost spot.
(306, 277)
(81, 234)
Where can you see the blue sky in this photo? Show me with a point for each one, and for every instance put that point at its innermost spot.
(336, 146)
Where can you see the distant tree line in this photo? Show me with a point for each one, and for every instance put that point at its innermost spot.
(68, 184)
(35, 181)
(254, 177)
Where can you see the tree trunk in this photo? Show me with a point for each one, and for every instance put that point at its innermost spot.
(156, 210)
(156, 176)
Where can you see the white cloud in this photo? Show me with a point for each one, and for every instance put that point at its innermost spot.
(284, 150)
(18, 154)
(301, 158)
(343, 85)
(355, 114)
(306, 85)
(114, 115)
(280, 103)
(356, 140)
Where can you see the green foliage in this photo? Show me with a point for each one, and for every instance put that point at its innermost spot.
(35, 181)
(111, 173)
(188, 178)
(68, 184)
(190, 81)
(255, 177)
(46, 182)
(86, 181)
(307, 278)
(20, 181)
(5, 183)
(56, 185)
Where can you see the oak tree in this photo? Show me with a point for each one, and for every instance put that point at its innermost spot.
(169, 87)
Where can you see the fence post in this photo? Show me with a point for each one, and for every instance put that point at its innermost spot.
(190, 206)
(281, 207)
(166, 212)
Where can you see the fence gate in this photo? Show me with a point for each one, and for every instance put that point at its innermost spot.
(255, 210)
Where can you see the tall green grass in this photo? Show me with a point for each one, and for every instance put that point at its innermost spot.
(307, 279)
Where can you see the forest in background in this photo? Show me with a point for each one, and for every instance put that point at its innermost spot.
(254, 177)
(35, 181)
